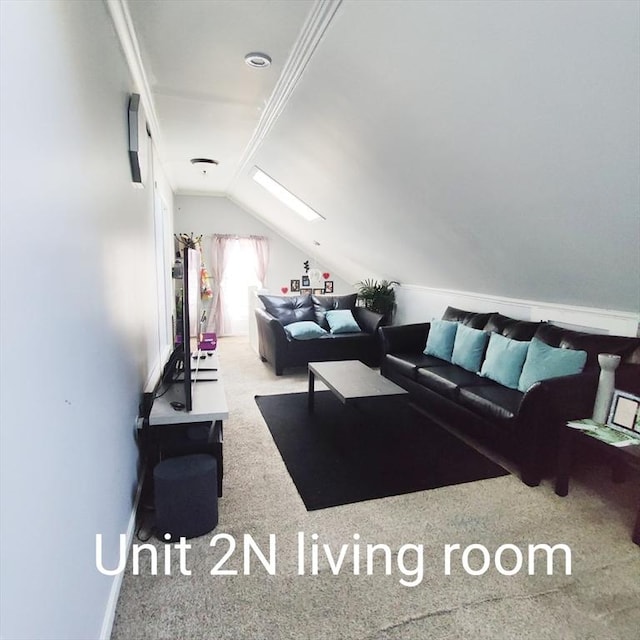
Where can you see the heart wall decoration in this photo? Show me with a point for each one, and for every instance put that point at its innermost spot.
(326, 275)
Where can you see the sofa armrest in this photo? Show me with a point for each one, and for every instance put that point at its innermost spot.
(545, 407)
(368, 320)
(267, 321)
(564, 398)
(272, 340)
(404, 338)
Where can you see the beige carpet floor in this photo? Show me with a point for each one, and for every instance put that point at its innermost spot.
(600, 599)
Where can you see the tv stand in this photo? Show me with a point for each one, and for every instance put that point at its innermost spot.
(168, 432)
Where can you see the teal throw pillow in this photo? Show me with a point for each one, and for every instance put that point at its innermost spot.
(305, 330)
(504, 360)
(544, 362)
(468, 348)
(442, 335)
(342, 321)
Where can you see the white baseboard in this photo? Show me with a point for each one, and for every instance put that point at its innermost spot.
(422, 304)
(116, 585)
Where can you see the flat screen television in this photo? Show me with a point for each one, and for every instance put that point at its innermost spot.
(180, 366)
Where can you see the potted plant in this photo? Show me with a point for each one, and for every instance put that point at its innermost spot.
(378, 296)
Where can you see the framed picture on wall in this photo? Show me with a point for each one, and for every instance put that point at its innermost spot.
(305, 281)
(328, 286)
(295, 285)
(305, 292)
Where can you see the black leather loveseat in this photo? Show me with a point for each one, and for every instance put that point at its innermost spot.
(522, 425)
(281, 350)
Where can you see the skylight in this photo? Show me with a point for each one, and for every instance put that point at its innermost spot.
(285, 196)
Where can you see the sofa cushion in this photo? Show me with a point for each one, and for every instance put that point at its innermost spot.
(469, 348)
(468, 318)
(447, 380)
(304, 330)
(549, 334)
(442, 335)
(544, 362)
(492, 401)
(504, 360)
(342, 321)
(595, 344)
(288, 309)
(511, 328)
(407, 363)
(322, 304)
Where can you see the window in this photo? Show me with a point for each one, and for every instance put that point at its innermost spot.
(239, 263)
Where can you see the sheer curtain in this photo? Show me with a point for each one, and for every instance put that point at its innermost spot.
(219, 263)
(260, 246)
(237, 264)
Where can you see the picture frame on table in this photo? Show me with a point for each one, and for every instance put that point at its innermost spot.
(328, 286)
(295, 285)
(305, 291)
(624, 413)
(318, 292)
(305, 281)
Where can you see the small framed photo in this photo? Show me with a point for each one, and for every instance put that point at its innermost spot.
(295, 285)
(305, 281)
(625, 412)
(328, 286)
(305, 291)
(318, 292)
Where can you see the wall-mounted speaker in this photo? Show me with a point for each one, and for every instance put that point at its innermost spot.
(138, 140)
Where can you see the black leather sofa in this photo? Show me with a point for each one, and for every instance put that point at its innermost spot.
(278, 348)
(523, 426)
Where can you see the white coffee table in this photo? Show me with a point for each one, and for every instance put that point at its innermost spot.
(350, 381)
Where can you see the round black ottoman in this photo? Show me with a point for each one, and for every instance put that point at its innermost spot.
(186, 496)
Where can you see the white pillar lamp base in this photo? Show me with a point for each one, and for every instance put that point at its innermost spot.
(606, 386)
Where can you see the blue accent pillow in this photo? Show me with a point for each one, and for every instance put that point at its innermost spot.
(442, 334)
(468, 348)
(342, 321)
(504, 360)
(305, 330)
(544, 362)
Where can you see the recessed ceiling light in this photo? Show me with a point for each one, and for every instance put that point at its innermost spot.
(285, 196)
(257, 60)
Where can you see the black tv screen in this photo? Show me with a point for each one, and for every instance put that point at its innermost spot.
(190, 318)
(178, 369)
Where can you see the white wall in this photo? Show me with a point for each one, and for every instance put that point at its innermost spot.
(209, 215)
(483, 146)
(77, 291)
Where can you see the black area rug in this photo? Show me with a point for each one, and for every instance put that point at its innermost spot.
(339, 455)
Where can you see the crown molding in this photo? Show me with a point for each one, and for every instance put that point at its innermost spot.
(311, 34)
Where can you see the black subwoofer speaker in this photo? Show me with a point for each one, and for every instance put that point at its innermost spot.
(186, 496)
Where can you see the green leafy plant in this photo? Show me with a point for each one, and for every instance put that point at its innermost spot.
(378, 296)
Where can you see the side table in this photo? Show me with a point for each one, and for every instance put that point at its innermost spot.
(570, 439)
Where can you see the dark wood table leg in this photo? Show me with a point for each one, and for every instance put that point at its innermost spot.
(564, 461)
(311, 393)
(636, 530)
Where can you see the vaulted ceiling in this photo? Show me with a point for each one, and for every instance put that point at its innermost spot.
(484, 146)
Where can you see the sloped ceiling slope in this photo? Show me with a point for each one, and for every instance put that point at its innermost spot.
(484, 146)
